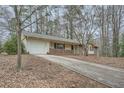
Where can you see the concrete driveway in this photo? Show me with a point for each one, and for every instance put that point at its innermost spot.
(113, 77)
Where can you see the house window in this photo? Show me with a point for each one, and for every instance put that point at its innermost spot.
(59, 46)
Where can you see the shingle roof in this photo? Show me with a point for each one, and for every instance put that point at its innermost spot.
(50, 38)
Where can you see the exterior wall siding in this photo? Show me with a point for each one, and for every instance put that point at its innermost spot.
(67, 47)
(91, 52)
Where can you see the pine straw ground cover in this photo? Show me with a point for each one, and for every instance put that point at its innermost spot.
(38, 72)
(109, 61)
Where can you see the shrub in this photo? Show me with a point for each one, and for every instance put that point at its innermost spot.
(11, 45)
(1, 49)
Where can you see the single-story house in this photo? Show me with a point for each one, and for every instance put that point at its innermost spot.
(44, 44)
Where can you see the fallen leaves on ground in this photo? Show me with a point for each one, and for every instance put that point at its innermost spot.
(38, 72)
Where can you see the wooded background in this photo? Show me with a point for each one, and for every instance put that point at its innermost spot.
(101, 25)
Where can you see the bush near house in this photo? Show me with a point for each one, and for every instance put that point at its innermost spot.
(10, 46)
(1, 49)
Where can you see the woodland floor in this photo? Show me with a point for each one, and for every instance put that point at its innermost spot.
(109, 61)
(38, 72)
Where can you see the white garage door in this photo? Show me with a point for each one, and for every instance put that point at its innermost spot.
(37, 46)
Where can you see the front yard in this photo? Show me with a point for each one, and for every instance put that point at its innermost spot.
(109, 61)
(38, 72)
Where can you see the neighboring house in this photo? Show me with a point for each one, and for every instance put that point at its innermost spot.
(44, 44)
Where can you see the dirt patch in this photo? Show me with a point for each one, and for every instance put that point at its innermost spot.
(38, 72)
(109, 61)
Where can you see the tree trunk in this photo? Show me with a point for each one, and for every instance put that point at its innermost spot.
(67, 32)
(115, 29)
(18, 31)
(71, 29)
(30, 17)
(19, 49)
(103, 36)
(86, 50)
(37, 30)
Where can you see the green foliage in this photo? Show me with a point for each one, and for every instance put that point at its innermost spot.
(122, 46)
(11, 46)
(1, 49)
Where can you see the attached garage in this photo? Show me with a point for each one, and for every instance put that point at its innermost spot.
(37, 46)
